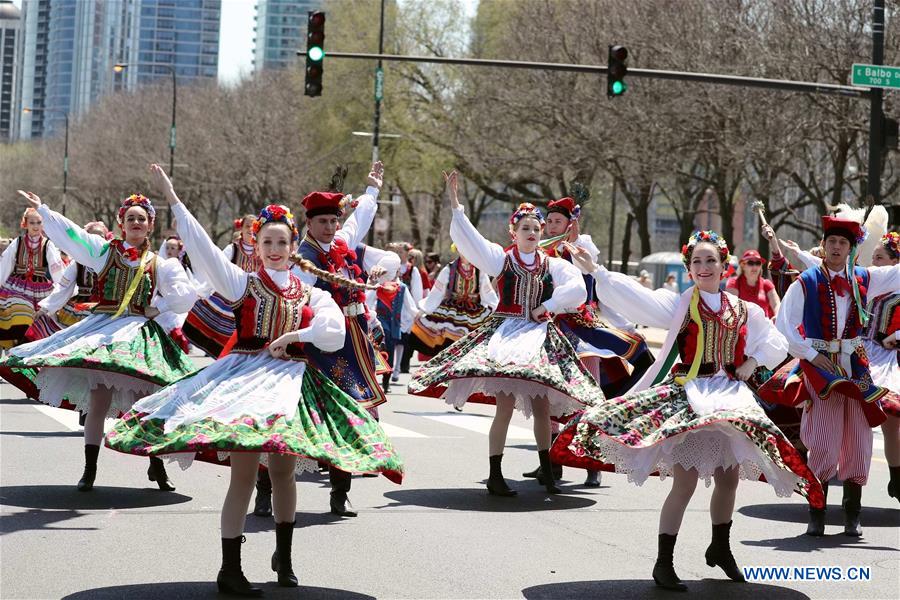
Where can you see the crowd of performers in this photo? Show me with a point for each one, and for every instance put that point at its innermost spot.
(777, 380)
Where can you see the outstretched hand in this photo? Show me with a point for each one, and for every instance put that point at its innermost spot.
(163, 184)
(452, 181)
(376, 175)
(581, 258)
(33, 199)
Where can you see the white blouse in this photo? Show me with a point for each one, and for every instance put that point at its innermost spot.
(55, 265)
(438, 291)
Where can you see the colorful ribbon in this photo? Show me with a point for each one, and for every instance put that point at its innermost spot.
(698, 350)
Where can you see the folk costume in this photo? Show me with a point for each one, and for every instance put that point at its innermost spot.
(395, 310)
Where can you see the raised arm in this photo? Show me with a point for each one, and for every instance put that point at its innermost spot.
(356, 227)
(85, 248)
(485, 255)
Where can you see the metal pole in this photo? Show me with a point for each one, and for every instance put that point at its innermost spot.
(65, 167)
(612, 224)
(876, 116)
(172, 142)
(379, 79)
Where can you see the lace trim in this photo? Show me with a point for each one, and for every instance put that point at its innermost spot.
(75, 386)
(459, 391)
(184, 460)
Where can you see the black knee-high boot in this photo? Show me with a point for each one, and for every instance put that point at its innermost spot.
(86, 483)
(340, 486)
(719, 552)
(894, 483)
(546, 478)
(231, 578)
(852, 504)
(664, 570)
(157, 472)
(281, 559)
(496, 485)
(263, 504)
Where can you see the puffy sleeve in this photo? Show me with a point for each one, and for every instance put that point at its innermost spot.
(415, 284)
(438, 289)
(326, 331)
(355, 228)
(884, 280)
(408, 313)
(226, 278)
(789, 318)
(485, 255)
(85, 248)
(177, 293)
(55, 262)
(585, 241)
(636, 303)
(228, 252)
(8, 260)
(568, 286)
(489, 296)
(63, 289)
(764, 342)
(389, 261)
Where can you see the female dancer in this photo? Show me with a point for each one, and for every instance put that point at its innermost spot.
(28, 269)
(882, 340)
(103, 363)
(751, 286)
(703, 420)
(262, 397)
(519, 356)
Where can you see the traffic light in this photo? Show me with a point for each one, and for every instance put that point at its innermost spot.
(616, 69)
(315, 53)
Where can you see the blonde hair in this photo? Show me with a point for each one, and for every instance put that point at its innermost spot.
(418, 258)
(328, 276)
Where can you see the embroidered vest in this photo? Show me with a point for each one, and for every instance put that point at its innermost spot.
(724, 339)
(885, 317)
(31, 264)
(312, 251)
(85, 281)
(463, 290)
(250, 264)
(820, 308)
(266, 312)
(389, 309)
(521, 290)
(114, 278)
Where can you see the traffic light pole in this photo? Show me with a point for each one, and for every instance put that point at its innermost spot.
(876, 116)
(379, 89)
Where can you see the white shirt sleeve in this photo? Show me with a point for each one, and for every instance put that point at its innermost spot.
(568, 286)
(372, 300)
(63, 290)
(327, 329)
(8, 260)
(228, 252)
(85, 248)
(407, 313)
(437, 292)
(585, 241)
(489, 296)
(633, 301)
(764, 342)
(485, 255)
(883, 280)
(226, 278)
(357, 225)
(54, 262)
(386, 259)
(415, 284)
(176, 292)
(789, 318)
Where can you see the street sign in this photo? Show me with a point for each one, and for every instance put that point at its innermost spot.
(876, 76)
(379, 84)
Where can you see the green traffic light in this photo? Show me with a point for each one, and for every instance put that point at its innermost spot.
(315, 53)
(619, 87)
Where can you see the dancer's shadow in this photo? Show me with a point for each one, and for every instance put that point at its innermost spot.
(43, 434)
(639, 589)
(36, 519)
(207, 589)
(808, 544)
(256, 524)
(834, 516)
(101, 498)
(531, 498)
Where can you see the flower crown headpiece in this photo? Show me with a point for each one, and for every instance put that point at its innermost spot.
(891, 243)
(525, 209)
(136, 200)
(704, 236)
(276, 213)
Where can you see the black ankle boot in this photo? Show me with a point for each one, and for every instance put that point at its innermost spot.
(816, 527)
(592, 479)
(719, 552)
(894, 483)
(496, 485)
(852, 504)
(281, 559)
(86, 483)
(231, 579)
(664, 571)
(340, 485)
(157, 472)
(557, 469)
(547, 467)
(263, 504)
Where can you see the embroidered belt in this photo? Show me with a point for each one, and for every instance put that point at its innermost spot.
(838, 346)
(355, 309)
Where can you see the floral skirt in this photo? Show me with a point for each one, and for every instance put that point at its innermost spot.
(653, 430)
(530, 364)
(257, 403)
(209, 324)
(132, 355)
(19, 299)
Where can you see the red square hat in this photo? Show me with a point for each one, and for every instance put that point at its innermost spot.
(848, 228)
(323, 203)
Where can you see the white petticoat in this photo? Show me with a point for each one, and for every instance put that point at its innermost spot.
(184, 460)
(459, 390)
(883, 366)
(75, 386)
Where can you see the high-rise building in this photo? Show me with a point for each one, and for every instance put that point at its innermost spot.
(280, 31)
(10, 31)
(69, 49)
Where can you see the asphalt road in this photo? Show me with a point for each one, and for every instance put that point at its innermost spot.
(439, 535)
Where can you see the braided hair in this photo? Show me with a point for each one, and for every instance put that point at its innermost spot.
(332, 278)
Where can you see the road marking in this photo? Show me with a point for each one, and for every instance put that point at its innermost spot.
(393, 431)
(479, 424)
(67, 418)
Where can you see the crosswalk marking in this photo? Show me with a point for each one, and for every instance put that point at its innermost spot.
(67, 418)
(477, 423)
(393, 431)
